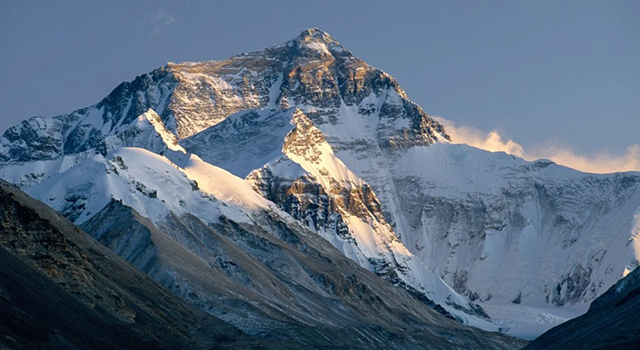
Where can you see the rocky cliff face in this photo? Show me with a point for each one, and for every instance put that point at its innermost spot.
(336, 145)
(547, 234)
(463, 225)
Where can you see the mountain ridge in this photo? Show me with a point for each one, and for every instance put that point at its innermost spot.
(98, 282)
(94, 299)
(369, 171)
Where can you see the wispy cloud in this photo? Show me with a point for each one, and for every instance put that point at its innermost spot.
(159, 20)
(598, 162)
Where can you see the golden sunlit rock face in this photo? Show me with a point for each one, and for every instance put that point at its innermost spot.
(311, 71)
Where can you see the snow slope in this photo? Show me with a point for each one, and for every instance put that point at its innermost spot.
(551, 238)
(303, 156)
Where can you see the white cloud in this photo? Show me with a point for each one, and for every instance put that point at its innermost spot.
(600, 162)
(158, 20)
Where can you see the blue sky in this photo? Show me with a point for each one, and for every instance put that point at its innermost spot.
(543, 73)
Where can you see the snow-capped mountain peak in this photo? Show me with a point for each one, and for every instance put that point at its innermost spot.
(310, 134)
(317, 40)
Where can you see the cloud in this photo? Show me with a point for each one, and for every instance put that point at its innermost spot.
(158, 20)
(600, 162)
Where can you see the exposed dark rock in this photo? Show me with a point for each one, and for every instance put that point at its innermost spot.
(60, 289)
(612, 322)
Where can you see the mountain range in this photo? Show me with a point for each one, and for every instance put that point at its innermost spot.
(299, 188)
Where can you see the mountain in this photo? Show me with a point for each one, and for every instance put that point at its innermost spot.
(246, 262)
(612, 322)
(95, 299)
(62, 289)
(157, 109)
(306, 134)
